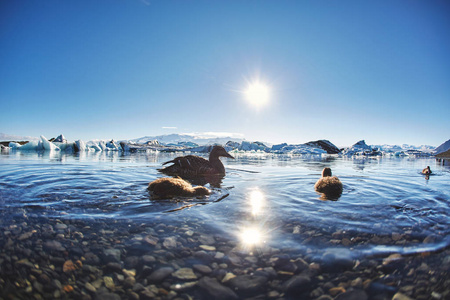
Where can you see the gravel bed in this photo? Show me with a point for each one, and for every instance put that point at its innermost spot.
(49, 258)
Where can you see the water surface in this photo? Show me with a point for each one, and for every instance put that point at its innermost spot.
(386, 206)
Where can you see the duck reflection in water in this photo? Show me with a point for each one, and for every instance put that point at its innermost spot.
(330, 186)
(197, 169)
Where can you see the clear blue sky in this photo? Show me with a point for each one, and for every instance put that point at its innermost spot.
(337, 70)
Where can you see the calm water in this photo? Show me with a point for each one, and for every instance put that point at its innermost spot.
(270, 197)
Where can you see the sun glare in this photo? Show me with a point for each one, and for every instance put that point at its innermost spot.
(256, 201)
(257, 94)
(251, 236)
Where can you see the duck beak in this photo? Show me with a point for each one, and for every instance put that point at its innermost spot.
(228, 155)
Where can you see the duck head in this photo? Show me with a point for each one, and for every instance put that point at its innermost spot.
(326, 172)
(218, 151)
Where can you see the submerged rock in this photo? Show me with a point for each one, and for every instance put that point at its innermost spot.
(215, 289)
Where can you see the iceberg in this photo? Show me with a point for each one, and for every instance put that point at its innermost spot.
(48, 145)
(111, 145)
(361, 149)
(79, 146)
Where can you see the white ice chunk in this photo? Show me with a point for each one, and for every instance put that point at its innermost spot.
(48, 145)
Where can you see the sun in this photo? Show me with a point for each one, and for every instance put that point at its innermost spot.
(257, 94)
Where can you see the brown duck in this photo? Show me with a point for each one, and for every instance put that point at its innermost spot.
(166, 188)
(426, 171)
(192, 166)
(329, 185)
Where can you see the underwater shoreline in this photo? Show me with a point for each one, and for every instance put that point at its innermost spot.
(45, 258)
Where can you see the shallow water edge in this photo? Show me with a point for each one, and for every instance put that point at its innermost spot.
(85, 228)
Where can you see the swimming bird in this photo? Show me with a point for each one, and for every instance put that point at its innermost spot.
(329, 185)
(192, 166)
(426, 171)
(165, 188)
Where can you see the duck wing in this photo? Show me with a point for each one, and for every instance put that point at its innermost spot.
(189, 166)
(191, 162)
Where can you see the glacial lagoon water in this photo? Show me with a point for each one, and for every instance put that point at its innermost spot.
(386, 206)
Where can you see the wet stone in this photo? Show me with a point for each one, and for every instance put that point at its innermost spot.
(113, 267)
(147, 259)
(336, 260)
(107, 296)
(400, 296)
(353, 295)
(216, 290)
(112, 255)
(90, 287)
(183, 286)
(207, 239)
(54, 245)
(248, 285)
(60, 226)
(184, 274)
(170, 242)
(204, 269)
(109, 283)
(160, 274)
(296, 285)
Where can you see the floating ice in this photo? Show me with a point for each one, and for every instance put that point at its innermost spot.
(48, 145)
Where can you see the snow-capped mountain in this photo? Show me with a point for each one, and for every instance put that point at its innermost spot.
(12, 137)
(200, 139)
(442, 148)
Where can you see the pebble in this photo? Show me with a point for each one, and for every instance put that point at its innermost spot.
(160, 274)
(112, 254)
(170, 242)
(204, 269)
(61, 226)
(216, 290)
(54, 245)
(208, 248)
(184, 274)
(400, 296)
(90, 287)
(297, 285)
(248, 285)
(162, 261)
(352, 295)
(109, 282)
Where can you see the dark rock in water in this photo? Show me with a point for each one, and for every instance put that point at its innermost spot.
(297, 285)
(377, 288)
(160, 274)
(54, 245)
(325, 145)
(248, 285)
(336, 260)
(352, 295)
(216, 290)
(107, 296)
(112, 255)
(202, 269)
(113, 267)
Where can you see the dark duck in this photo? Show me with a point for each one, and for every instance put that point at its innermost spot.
(166, 188)
(329, 185)
(192, 166)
